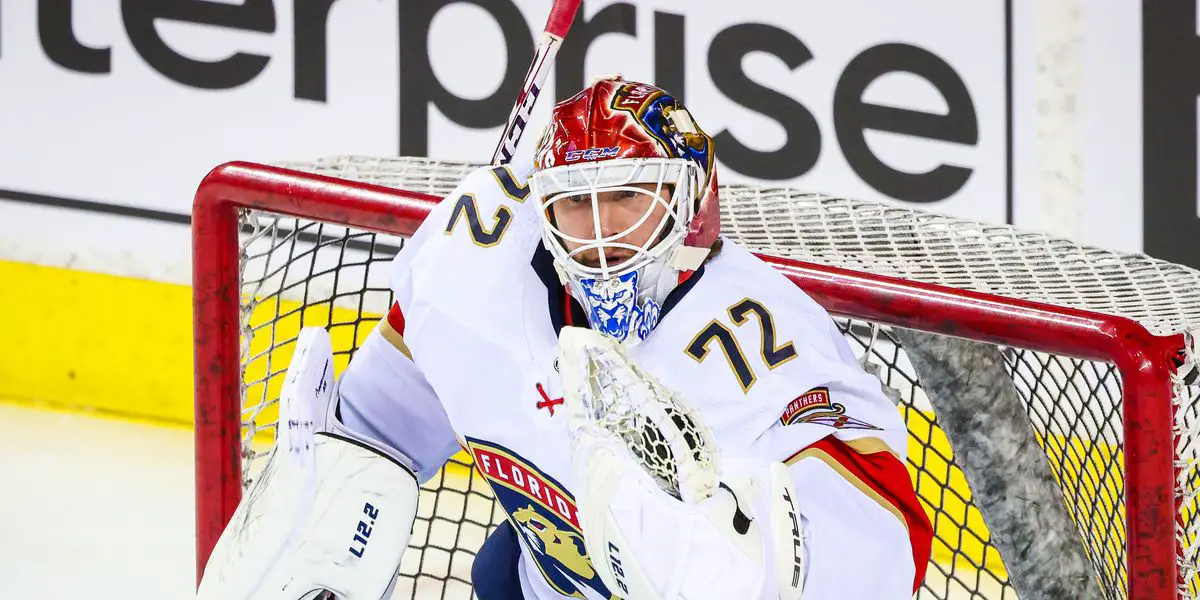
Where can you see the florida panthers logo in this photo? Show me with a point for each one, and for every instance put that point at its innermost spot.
(545, 517)
(814, 406)
(661, 116)
(564, 546)
(613, 309)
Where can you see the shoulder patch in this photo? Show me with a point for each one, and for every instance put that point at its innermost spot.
(815, 406)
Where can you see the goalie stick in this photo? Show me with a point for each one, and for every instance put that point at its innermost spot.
(562, 14)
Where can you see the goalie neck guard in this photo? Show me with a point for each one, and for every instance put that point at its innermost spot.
(628, 189)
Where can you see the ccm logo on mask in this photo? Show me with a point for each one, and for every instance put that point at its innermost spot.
(592, 153)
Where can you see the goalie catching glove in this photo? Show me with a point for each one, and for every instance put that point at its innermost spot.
(664, 516)
(328, 515)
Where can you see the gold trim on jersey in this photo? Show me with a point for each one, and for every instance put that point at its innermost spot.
(739, 314)
(867, 445)
(466, 204)
(394, 338)
(852, 479)
(518, 192)
(741, 354)
(766, 319)
(870, 445)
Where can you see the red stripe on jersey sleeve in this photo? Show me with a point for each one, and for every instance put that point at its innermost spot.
(882, 473)
(395, 318)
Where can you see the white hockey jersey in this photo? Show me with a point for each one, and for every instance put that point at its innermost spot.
(467, 359)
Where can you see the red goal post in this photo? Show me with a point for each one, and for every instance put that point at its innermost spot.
(1154, 521)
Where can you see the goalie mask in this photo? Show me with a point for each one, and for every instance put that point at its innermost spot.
(628, 190)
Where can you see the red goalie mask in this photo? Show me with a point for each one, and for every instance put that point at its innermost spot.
(615, 133)
(628, 189)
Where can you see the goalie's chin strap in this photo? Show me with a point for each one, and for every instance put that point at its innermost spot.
(569, 308)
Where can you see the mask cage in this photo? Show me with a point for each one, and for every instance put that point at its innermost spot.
(568, 183)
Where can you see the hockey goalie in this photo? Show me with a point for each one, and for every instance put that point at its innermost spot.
(660, 413)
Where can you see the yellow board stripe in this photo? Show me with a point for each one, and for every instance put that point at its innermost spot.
(73, 339)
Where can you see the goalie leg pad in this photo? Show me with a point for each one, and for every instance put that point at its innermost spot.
(326, 514)
(348, 539)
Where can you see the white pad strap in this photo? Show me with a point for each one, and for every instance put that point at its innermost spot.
(326, 514)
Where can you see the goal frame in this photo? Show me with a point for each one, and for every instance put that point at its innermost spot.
(1145, 361)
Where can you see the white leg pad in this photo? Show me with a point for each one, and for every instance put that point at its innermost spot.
(326, 514)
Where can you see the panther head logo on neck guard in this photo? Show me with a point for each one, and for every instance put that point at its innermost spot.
(613, 308)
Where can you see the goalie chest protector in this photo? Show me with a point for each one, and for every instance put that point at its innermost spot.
(482, 307)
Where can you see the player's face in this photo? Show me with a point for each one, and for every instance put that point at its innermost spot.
(619, 211)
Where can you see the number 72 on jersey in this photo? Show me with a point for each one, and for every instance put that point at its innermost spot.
(773, 354)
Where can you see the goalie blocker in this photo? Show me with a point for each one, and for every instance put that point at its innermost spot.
(329, 512)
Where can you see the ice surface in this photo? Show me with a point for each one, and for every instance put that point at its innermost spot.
(94, 507)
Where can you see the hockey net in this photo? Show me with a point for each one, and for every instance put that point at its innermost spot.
(1092, 351)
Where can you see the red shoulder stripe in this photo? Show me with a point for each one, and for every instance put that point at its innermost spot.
(869, 466)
